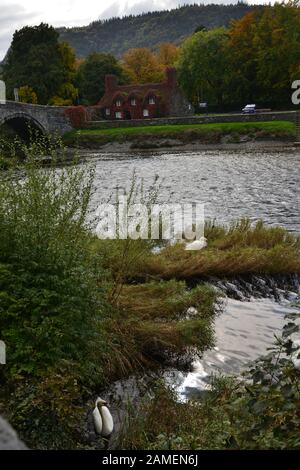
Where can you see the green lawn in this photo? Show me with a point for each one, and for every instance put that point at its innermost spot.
(225, 128)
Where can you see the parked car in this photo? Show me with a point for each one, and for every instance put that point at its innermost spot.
(249, 108)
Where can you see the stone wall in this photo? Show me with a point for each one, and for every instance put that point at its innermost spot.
(203, 119)
(50, 119)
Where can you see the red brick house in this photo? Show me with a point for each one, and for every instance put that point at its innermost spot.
(151, 100)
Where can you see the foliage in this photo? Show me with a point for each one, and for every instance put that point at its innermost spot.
(254, 61)
(91, 74)
(45, 273)
(51, 307)
(264, 51)
(265, 413)
(67, 95)
(142, 66)
(168, 54)
(36, 59)
(27, 95)
(77, 116)
(202, 66)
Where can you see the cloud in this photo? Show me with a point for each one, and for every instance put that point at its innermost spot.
(136, 7)
(12, 17)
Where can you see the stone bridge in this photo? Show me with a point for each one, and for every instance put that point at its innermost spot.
(47, 119)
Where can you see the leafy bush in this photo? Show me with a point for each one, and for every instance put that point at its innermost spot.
(51, 307)
(77, 116)
(265, 412)
(27, 95)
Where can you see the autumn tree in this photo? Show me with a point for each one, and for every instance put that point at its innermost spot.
(142, 66)
(277, 45)
(168, 54)
(264, 54)
(27, 95)
(242, 60)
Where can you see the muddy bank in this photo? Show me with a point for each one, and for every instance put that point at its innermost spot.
(176, 145)
(230, 137)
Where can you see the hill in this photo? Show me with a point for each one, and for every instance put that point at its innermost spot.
(117, 35)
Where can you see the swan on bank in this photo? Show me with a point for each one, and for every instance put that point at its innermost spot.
(197, 244)
(103, 420)
(296, 354)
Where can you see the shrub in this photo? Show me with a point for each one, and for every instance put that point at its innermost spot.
(27, 95)
(51, 307)
(77, 116)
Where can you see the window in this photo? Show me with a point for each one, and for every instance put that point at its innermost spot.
(151, 100)
(133, 102)
(118, 115)
(118, 103)
(145, 112)
(107, 112)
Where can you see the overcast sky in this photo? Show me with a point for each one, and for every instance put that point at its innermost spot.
(17, 13)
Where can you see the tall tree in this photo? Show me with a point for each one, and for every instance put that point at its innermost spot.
(91, 74)
(36, 59)
(202, 66)
(242, 60)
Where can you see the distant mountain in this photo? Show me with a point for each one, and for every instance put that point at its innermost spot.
(117, 35)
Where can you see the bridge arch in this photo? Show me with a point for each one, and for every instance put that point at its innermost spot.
(22, 124)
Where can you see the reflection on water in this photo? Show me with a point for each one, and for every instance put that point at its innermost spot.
(243, 333)
(232, 184)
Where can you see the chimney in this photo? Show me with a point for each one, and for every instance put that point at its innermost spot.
(171, 76)
(111, 82)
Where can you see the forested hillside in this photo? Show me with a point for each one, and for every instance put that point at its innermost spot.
(117, 35)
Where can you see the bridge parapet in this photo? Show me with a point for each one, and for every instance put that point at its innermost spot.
(51, 119)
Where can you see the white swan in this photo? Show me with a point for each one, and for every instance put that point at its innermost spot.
(103, 419)
(197, 244)
(294, 357)
(97, 419)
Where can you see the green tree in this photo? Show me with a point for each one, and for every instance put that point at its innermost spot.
(27, 95)
(36, 59)
(202, 66)
(91, 75)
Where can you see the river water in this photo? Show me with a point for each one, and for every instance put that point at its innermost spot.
(232, 184)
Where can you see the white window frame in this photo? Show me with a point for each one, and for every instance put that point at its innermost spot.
(107, 111)
(118, 103)
(118, 115)
(133, 102)
(145, 112)
(151, 100)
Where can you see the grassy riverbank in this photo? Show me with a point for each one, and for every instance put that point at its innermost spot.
(206, 133)
(77, 313)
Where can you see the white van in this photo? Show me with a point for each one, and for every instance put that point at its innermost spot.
(249, 108)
